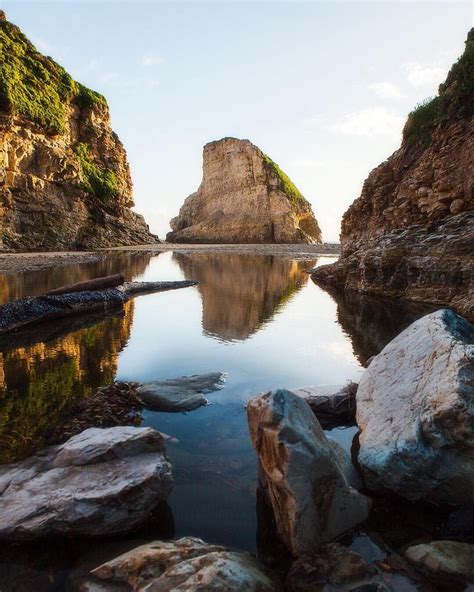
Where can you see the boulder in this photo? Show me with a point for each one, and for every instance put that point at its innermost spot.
(332, 404)
(444, 558)
(179, 394)
(415, 410)
(333, 564)
(100, 482)
(187, 565)
(311, 498)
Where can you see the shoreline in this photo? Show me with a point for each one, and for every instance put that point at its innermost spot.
(11, 263)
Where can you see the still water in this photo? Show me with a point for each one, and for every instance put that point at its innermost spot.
(259, 319)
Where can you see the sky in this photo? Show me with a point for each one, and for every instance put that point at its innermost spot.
(323, 88)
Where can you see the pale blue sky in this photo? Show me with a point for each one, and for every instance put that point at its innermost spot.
(322, 87)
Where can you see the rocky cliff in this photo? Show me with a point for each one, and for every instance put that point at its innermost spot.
(411, 232)
(64, 176)
(244, 197)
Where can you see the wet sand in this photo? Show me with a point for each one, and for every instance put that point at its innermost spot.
(26, 262)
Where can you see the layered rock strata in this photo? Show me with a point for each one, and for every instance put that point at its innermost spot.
(411, 232)
(244, 197)
(64, 176)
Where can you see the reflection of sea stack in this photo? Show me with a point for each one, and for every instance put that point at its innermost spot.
(244, 197)
(241, 292)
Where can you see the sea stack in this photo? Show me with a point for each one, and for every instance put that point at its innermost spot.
(244, 197)
(64, 177)
(411, 232)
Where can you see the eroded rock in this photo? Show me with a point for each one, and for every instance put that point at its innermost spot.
(100, 482)
(244, 197)
(310, 495)
(187, 565)
(180, 394)
(415, 410)
(444, 558)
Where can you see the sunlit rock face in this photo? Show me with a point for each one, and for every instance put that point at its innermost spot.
(411, 232)
(244, 197)
(241, 292)
(64, 176)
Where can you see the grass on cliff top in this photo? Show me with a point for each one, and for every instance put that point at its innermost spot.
(99, 181)
(455, 99)
(286, 184)
(35, 86)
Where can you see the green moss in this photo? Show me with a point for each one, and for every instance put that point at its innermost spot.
(99, 181)
(35, 86)
(286, 184)
(455, 99)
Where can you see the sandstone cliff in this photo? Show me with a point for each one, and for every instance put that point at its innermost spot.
(64, 176)
(244, 197)
(411, 232)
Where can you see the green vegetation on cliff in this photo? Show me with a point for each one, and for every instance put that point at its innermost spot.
(286, 184)
(100, 181)
(454, 101)
(35, 86)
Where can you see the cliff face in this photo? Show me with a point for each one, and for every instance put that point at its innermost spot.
(64, 176)
(411, 232)
(244, 197)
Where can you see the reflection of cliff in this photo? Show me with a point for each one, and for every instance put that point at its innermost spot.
(34, 283)
(240, 292)
(38, 381)
(371, 322)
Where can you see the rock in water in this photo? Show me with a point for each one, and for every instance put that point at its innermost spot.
(64, 173)
(187, 565)
(100, 482)
(415, 410)
(244, 197)
(179, 394)
(444, 558)
(410, 233)
(311, 498)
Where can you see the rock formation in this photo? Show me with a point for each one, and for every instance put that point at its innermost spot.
(187, 564)
(100, 482)
(312, 499)
(244, 197)
(64, 176)
(411, 232)
(415, 411)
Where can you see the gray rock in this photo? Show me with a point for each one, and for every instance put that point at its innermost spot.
(415, 409)
(444, 558)
(187, 565)
(180, 394)
(311, 498)
(332, 404)
(100, 482)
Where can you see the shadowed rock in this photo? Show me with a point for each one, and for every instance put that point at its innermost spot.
(100, 482)
(444, 558)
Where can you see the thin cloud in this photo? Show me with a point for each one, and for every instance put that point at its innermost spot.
(386, 90)
(374, 121)
(150, 59)
(419, 75)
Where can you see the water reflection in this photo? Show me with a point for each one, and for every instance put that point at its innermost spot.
(241, 292)
(371, 322)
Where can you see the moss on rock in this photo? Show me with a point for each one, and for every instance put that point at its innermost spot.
(286, 184)
(98, 180)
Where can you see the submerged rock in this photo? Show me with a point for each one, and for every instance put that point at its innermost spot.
(311, 498)
(180, 394)
(444, 558)
(188, 565)
(100, 482)
(332, 405)
(415, 410)
(333, 564)
(244, 197)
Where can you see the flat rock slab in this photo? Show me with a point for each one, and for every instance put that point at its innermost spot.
(302, 473)
(415, 410)
(180, 394)
(187, 565)
(444, 558)
(100, 482)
